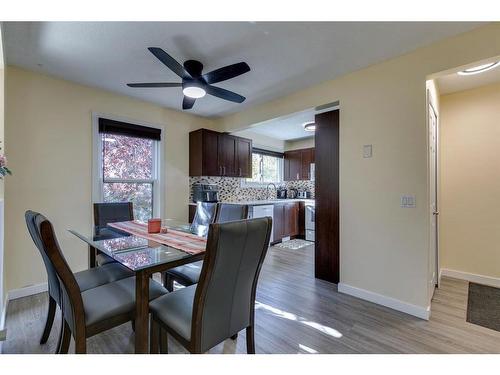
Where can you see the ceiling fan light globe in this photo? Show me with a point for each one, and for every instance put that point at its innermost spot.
(194, 92)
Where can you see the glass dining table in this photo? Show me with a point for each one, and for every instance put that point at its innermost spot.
(144, 257)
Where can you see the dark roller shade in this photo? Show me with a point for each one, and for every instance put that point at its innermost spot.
(267, 152)
(123, 128)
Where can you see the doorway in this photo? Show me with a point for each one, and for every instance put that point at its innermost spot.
(434, 213)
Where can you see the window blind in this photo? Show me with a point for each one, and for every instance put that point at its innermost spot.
(109, 126)
(267, 152)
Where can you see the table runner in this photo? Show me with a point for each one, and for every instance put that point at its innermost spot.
(187, 242)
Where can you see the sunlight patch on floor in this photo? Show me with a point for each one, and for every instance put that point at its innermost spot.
(290, 316)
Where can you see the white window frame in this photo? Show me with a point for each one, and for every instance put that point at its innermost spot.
(255, 184)
(97, 175)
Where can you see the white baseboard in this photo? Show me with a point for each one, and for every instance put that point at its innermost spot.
(26, 291)
(408, 308)
(475, 278)
(2, 320)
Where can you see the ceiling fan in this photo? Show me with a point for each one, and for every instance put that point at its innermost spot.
(195, 84)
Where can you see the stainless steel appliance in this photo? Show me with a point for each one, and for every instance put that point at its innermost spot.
(292, 193)
(304, 194)
(205, 193)
(281, 193)
(310, 221)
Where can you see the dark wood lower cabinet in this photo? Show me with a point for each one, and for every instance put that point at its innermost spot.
(286, 220)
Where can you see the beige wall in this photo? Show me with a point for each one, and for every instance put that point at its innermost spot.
(384, 248)
(262, 141)
(49, 145)
(470, 181)
(300, 143)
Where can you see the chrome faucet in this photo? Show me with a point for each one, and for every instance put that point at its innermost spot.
(275, 189)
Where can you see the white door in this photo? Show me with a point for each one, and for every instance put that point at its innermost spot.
(433, 149)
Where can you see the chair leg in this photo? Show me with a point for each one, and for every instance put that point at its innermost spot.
(66, 335)
(50, 320)
(234, 337)
(250, 340)
(163, 341)
(59, 340)
(154, 336)
(167, 281)
(80, 345)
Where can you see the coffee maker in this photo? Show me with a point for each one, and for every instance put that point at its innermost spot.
(205, 193)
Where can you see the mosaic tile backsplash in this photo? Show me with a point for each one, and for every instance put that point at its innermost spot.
(230, 188)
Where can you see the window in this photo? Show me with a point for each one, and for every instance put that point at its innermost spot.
(267, 167)
(127, 158)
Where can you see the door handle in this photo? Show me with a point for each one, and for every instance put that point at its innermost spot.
(436, 213)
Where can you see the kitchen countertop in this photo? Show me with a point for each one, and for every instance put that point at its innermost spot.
(260, 202)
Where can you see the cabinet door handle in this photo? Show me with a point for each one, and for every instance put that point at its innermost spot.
(240, 171)
(297, 176)
(220, 170)
(224, 170)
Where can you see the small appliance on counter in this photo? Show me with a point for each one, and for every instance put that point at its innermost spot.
(281, 193)
(205, 193)
(292, 194)
(304, 194)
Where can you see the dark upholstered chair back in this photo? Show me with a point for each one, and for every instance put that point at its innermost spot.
(70, 295)
(105, 213)
(52, 280)
(204, 216)
(231, 212)
(225, 296)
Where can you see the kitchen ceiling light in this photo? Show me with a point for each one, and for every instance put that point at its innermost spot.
(194, 92)
(479, 69)
(309, 126)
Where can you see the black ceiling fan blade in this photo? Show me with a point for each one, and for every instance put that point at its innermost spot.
(226, 72)
(155, 84)
(170, 62)
(224, 94)
(187, 102)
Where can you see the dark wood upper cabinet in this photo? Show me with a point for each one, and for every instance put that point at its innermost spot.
(219, 154)
(244, 158)
(298, 164)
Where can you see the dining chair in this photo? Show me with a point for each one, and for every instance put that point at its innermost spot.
(91, 311)
(189, 274)
(203, 217)
(231, 212)
(223, 302)
(105, 213)
(87, 279)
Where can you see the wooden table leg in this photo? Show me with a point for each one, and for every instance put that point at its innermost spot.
(141, 312)
(92, 255)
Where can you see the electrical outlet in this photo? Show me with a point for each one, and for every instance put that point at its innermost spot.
(367, 151)
(408, 201)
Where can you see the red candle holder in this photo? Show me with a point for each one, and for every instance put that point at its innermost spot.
(154, 225)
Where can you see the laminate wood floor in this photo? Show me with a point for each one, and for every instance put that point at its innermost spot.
(296, 313)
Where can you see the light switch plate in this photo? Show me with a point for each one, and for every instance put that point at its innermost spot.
(408, 201)
(367, 151)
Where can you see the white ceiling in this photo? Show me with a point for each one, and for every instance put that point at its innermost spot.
(284, 56)
(286, 128)
(455, 82)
